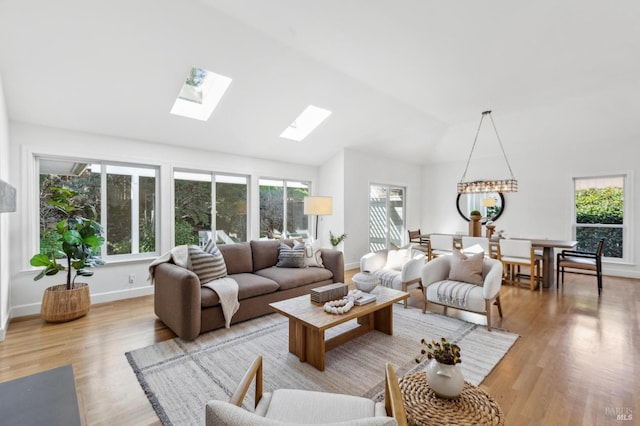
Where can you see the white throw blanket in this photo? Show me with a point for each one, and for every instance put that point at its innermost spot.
(179, 255)
(227, 290)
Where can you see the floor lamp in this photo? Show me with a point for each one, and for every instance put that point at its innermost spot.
(318, 206)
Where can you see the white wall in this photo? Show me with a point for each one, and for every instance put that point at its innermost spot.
(331, 182)
(360, 170)
(110, 282)
(587, 136)
(4, 218)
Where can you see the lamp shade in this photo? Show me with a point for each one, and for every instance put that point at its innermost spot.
(488, 202)
(318, 205)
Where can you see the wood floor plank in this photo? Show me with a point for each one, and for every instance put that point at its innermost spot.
(575, 362)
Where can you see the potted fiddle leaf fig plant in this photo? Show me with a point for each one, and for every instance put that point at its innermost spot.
(78, 241)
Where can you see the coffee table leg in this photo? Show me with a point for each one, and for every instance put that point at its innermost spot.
(307, 344)
(315, 348)
(383, 320)
(297, 344)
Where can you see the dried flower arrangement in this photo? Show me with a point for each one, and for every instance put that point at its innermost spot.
(442, 351)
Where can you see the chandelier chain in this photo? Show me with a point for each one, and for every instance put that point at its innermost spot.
(475, 141)
(501, 147)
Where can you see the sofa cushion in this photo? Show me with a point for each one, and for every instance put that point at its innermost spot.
(249, 285)
(465, 268)
(265, 253)
(289, 257)
(295, 277)
(237, 257)
(207, 266)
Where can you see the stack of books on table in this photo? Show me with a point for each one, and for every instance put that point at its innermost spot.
(365, 298)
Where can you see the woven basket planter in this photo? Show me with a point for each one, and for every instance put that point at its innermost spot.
(61, 305)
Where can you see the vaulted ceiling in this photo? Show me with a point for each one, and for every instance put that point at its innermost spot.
(396, 74)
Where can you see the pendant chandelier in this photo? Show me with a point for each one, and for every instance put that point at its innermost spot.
(501, 185)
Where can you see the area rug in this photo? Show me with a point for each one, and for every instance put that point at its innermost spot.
(179, 377)
(46, 398)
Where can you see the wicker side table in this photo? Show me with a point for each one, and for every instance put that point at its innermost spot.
(473, 407)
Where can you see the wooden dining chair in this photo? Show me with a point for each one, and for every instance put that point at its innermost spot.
(516, 253)
(439, 245)
(583, 261)
(476, 244)
(418, 241)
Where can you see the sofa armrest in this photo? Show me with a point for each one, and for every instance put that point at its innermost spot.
(333, 260)
(412, 269)
(373, 261)
(177, 299)
(493, 279)
(435, 270)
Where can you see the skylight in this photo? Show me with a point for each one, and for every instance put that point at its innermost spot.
(306, 122)
(200, 94)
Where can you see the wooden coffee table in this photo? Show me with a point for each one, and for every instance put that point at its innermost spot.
(308, 322)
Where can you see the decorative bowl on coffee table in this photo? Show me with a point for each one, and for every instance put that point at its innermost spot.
(365, 281)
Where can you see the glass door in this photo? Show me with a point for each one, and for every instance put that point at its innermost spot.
(386, 216)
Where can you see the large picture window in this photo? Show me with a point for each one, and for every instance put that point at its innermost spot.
(123, 196)
(599, 213)
(196, 194)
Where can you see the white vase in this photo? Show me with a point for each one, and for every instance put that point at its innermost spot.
(446, 380)
(365, 281)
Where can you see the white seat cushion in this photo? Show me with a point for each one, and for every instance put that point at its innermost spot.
(578, 262)
(300, 406)
(221, 413)
(457, 294)
(389, 278)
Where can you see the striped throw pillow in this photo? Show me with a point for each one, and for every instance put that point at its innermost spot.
(290, 258)
(207, 266)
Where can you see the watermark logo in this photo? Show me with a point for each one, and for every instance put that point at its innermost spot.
(619, 413)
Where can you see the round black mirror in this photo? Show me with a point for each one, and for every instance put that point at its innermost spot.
(490, 205)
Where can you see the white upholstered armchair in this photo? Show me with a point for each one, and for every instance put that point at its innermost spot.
(445, 282)
(397, 269)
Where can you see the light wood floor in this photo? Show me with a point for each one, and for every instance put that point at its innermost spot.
(577, 361)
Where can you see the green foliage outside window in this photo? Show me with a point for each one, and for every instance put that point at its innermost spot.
(600, 206)
(604, 206)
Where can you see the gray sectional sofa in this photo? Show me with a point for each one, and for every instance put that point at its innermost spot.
(189, 309)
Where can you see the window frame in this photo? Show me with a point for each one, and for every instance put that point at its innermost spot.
(285, 232)
(627, 221)
(31, 175)
(212, 174)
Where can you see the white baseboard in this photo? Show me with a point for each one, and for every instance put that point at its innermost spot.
(34, 308)
(354, 265)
